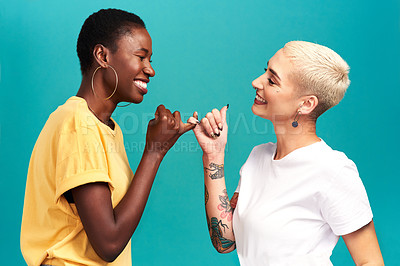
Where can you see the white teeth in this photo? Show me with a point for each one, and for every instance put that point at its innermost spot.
(260, 99)
(141, 84)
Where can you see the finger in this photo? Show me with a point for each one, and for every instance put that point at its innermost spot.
(188, 126)
(159, 110)
(213, 123)
(234, 200)
(193, 120)
(223, 113)
(152, 121)
(183, 128)
(165, 114)
(198, 129)
(207, 127)
(196, 118)
(218, 118)
(168, 111)
(178, 119)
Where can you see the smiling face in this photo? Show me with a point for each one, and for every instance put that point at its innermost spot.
(276, 97)
(132, 62)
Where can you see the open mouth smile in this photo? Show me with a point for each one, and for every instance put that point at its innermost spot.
(141, 85)
(259, 100)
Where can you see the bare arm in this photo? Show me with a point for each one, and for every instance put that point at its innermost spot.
(108, 229)
(363, 246)
(218, 208)
(212, 136)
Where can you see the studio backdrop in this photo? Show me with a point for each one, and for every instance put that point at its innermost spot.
(206, 53)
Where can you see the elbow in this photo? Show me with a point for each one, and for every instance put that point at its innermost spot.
(221, 251)
(372, 263)
(108, 248)
(224, 249)
(108, 252)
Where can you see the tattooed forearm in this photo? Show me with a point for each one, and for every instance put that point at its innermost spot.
(225, 206)
(206, 196)
(220, 243)
(217, 170)
(208, 222)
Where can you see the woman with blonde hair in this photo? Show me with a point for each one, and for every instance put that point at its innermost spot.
(297, 196)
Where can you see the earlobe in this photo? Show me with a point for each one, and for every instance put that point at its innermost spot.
(100, 55)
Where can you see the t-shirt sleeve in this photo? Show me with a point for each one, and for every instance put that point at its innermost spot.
(346, 207)
(81, 159)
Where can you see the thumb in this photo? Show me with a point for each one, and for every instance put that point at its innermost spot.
(223, 113)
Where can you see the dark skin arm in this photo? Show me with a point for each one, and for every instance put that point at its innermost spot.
(108, 229)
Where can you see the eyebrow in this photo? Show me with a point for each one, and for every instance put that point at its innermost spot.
(143, 49)
(273, 72)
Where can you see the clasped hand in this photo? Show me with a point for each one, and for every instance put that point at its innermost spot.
(165, 129)
(212, 131)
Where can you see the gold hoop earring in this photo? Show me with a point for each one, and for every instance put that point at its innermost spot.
(116, 82)
(124, 105)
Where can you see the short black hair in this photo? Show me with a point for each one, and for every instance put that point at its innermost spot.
(105, 27)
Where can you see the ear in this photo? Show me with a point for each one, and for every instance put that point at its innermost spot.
(308, 104)
(100, 54)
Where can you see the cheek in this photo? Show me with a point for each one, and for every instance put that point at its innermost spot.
(128, 67)
(132, 69)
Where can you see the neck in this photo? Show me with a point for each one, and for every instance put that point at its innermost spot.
(101, 108)
(290, 138)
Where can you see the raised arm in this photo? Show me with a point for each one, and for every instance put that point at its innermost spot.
(212, 134)
(108, 229)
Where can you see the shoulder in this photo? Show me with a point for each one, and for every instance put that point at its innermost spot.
(258, 154)
(332, 160)
(72, 116)
(339, 174)
(263, 149)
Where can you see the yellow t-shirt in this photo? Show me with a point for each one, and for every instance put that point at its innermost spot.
(74, 148)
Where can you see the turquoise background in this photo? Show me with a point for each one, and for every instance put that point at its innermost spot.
(206, 53)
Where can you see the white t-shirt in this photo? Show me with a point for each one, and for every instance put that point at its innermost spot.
(292, 211)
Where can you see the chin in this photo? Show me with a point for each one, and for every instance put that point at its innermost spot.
(255, 111)
(258, 112)
(136, 99)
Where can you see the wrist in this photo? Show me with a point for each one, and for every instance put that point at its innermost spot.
(155, 156)
(215, 157)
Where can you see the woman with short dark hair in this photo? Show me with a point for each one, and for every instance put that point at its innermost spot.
(82, 203)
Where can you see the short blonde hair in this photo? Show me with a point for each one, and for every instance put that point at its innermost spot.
(319, 71)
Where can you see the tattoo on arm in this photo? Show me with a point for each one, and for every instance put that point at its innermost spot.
(208, 222)
(220, 243)
(206, 196)
(217, 170)
(225, 206)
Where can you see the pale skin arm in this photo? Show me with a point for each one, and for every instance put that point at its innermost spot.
(364, 247)
(218, 207)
